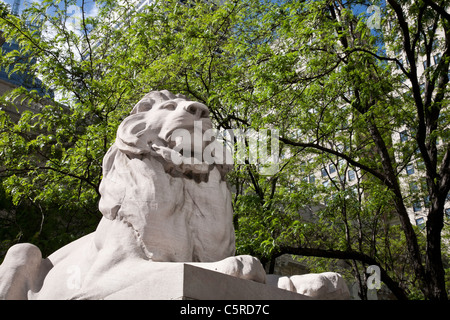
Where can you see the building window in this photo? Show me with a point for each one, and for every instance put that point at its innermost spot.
(437, 58)
(423, 183)
(417, 206)
(425, 64)
(312, 178)
(447, 212)
(324, 172)
(427, 201)
(332, 168)
(420, 164)
(326, 183)
(420, 222)
(351, 175)
(302, 166)
(413, 187)
(410, 169)
(404, 135)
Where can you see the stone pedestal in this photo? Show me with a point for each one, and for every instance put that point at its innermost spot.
(187, 282)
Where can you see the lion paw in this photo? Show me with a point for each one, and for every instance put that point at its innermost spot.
(243, 267)
(321, 286)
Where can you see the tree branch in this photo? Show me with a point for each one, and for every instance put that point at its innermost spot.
(353, 162)
(14, 171)
(439, 9)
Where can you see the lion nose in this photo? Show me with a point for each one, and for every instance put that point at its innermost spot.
(198, 110)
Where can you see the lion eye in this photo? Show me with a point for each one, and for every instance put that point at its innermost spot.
(192, 109)
(204, 114)
(169, 106)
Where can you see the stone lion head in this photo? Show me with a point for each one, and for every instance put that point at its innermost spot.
(178, 210)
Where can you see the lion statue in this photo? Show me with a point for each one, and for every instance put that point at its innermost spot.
(160, 207)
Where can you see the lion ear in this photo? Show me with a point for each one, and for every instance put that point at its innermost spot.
(129, 134)
(155, 97)
(143, 105)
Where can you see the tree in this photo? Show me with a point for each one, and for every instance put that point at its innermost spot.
(51, 161)
(375, 103)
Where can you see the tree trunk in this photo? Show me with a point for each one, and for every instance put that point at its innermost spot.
(434, 267)
(392, 183)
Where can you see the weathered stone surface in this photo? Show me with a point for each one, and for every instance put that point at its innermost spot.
(166, 213)
(185, 281)
(324, 286)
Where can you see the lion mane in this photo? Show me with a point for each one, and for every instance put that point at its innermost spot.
(178, 212)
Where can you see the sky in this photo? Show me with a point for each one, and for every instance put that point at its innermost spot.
(89, 4)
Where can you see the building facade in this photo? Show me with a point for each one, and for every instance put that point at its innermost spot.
(11, 80)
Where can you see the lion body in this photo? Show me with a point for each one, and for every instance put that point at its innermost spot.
(175, 218)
